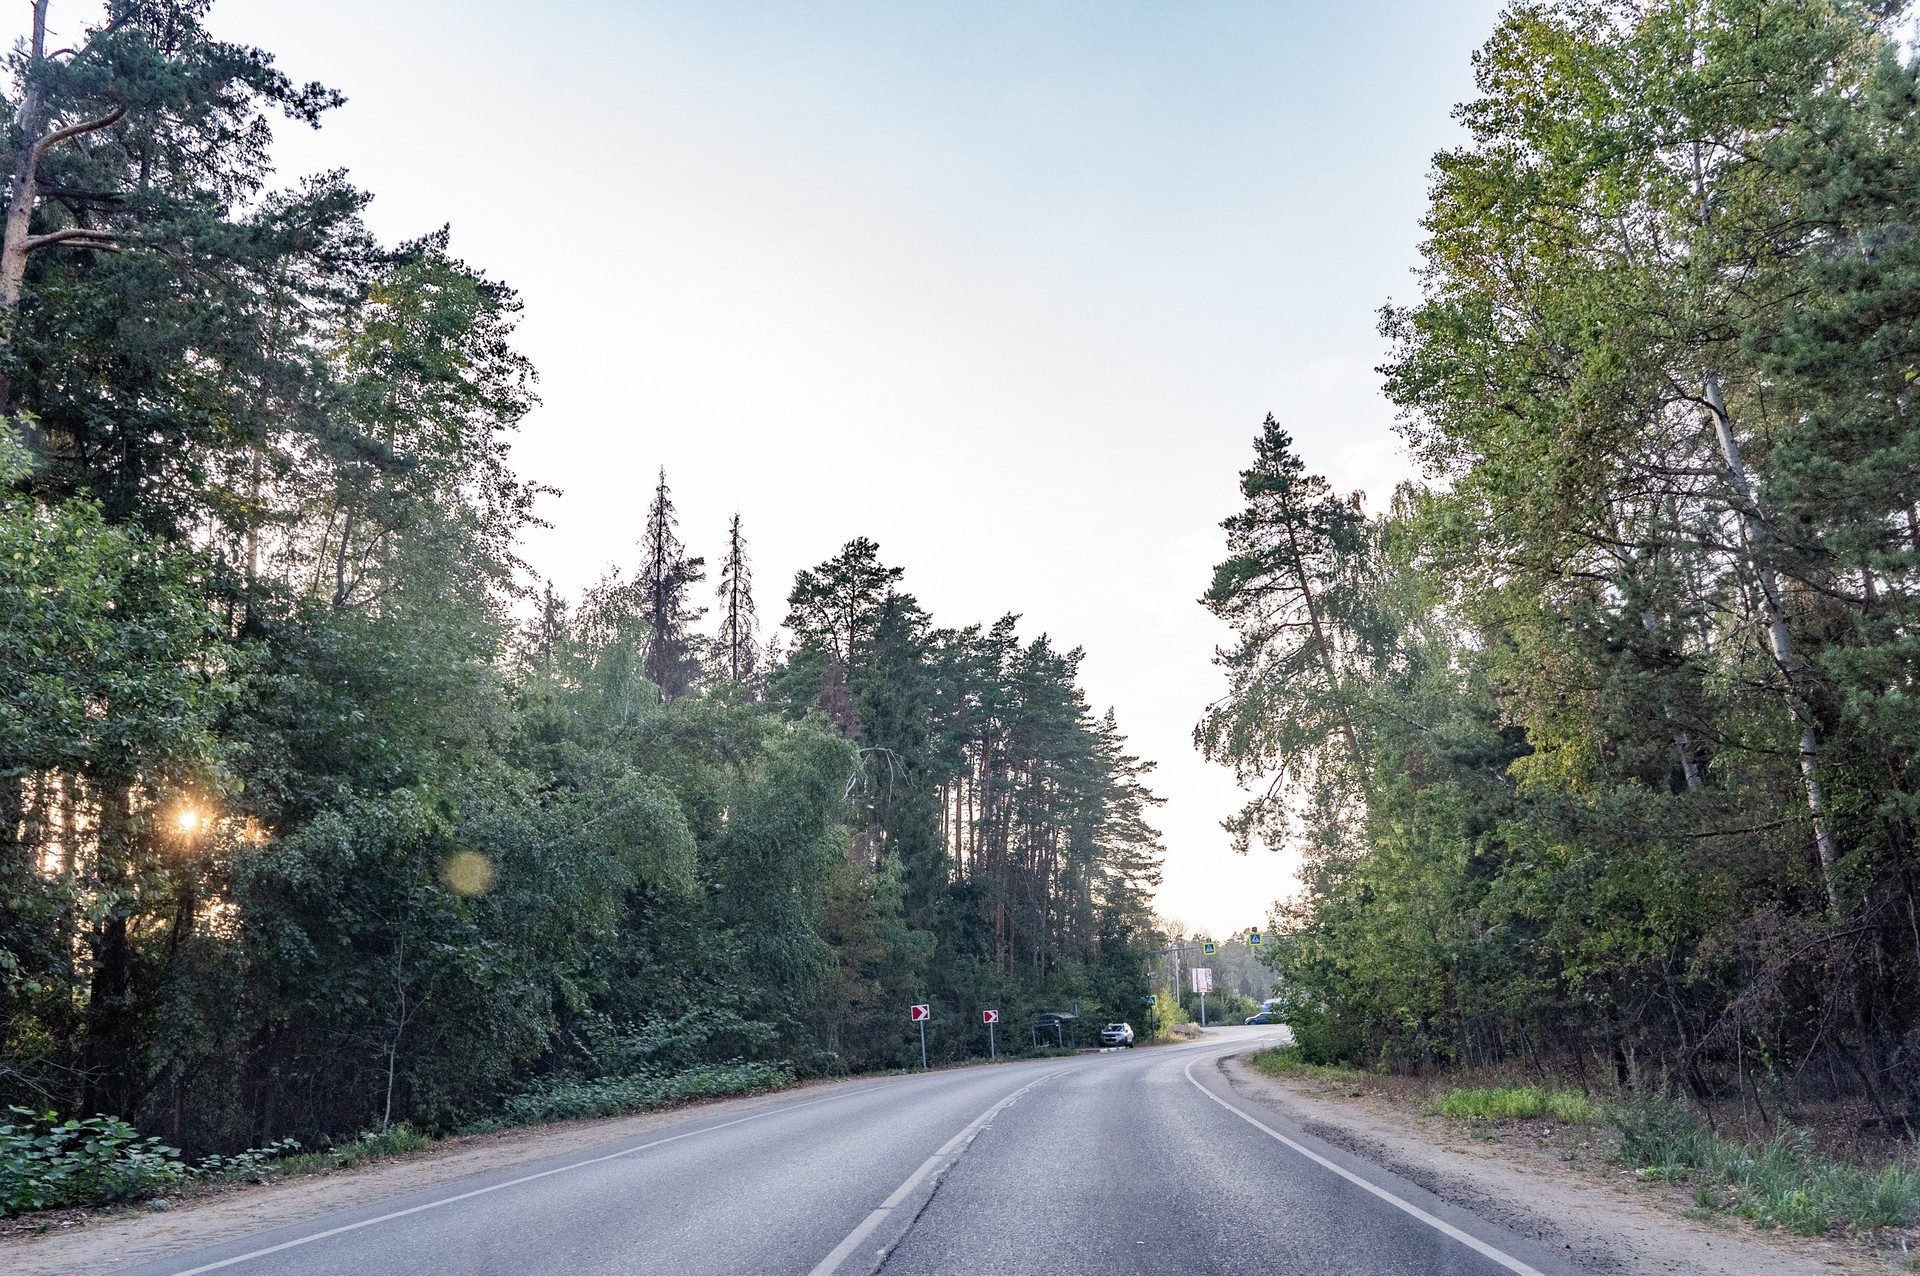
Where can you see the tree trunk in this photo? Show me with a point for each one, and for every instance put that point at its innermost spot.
(1326, 652)
(1756, 535)
(23, 189)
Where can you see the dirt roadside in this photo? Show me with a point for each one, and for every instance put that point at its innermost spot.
(1543, 1182)
(100, 1241)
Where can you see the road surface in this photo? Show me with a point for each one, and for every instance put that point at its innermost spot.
(1128, 1161)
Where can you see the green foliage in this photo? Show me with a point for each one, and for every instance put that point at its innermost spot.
(1516, 1103)
(1781, 1183)
(371, 1145)
(46, 1163)
(1279, 1061)
(613, 1096)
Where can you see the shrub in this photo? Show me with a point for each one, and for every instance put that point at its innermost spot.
(613, 1096)
(252, 1165)
(46, 1163)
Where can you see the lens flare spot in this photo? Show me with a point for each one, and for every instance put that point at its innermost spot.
(188, 819)
(468, 873)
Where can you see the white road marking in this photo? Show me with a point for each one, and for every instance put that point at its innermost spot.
(950, 1149)
(1439, 1225)
(497, 1187)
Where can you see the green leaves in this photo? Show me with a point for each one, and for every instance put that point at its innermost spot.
(46, 1163)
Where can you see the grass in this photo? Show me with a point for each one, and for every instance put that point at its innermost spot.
(1532, 1102)
(1783, 1182)
(1280, 1061)
(395, 1140)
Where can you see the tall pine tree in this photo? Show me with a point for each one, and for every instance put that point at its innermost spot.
(737, 650)
(665, 575)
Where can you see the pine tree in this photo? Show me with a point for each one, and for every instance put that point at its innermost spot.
(838, 604)
(736, 649)
(665, 575)
(1284, 590)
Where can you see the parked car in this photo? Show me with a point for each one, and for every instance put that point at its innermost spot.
(1269, 1012)
(1117, 1034)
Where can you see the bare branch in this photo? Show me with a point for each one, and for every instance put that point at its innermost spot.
(78, 236)
(60, 135)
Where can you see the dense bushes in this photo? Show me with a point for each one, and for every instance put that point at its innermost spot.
(612, 1096)
(46, 1163)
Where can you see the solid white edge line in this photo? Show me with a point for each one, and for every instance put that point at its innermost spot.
(844, 1250)
(496, 1187)
(1439, 1225)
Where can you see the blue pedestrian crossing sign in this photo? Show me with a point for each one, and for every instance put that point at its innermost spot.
(1208, 948)
(1253, 939)
(1152, 1000)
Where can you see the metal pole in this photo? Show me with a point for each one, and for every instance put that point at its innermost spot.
(923, 1045)
(992, 1053)
(1203, 1008)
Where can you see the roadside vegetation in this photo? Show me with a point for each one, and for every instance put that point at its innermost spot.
(1782, 1182)
(1289, 1060)
(46, 1163)
(1507, 1103)
(574, 1100)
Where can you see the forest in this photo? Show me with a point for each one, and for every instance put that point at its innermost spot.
(1599, 742)
(322, 813)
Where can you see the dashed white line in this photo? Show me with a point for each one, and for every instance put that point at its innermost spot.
(950, 1149)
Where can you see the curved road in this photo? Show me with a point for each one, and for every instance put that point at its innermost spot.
(1129, 1161)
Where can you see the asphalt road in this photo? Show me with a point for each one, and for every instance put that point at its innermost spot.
(1129, 1161)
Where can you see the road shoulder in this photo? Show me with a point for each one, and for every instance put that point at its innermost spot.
(101, 1242)
(1578, 1204)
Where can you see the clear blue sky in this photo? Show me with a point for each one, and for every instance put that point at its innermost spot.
(1006, 286)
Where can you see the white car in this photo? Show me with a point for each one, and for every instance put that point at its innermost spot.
(1117, 1034)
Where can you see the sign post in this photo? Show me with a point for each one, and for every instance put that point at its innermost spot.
(1253, 938)
(990, 1018)
(920, 1014)
(1203, 984)
(1209, 948)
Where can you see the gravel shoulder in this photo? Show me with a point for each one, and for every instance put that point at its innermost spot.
(1553, 1184)
(84, 1242)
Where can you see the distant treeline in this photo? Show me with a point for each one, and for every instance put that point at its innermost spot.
(1601, 745)
(306, 828)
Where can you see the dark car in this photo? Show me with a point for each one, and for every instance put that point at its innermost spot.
(1269, 1012)
(1117, 1034)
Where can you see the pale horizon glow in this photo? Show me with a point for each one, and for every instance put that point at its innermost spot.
(1006, 287)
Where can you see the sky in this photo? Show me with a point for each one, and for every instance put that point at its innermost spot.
(1006, 287)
